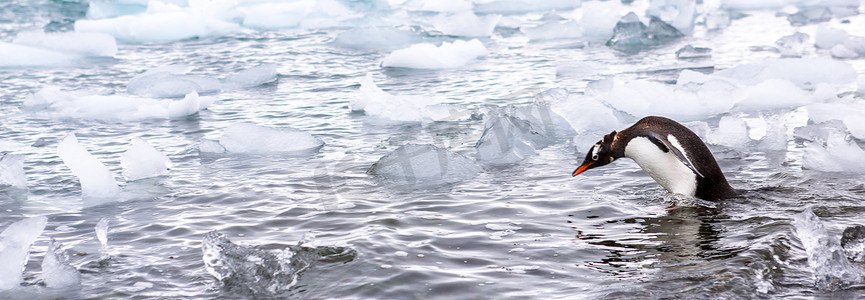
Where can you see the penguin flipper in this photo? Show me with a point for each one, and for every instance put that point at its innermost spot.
(666, 146)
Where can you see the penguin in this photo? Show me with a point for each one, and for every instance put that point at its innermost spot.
(669, 152)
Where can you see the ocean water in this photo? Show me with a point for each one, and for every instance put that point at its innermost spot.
(525, 230)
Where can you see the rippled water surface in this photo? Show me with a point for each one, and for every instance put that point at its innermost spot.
(525, 230)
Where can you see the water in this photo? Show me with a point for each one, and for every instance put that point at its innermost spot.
(524, 230)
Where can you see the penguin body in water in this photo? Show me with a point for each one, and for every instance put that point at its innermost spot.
(669, 152)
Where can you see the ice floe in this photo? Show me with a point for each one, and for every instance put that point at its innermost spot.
(599, 18)
(96, 180)
(678, 13)
(554, 30)
(252, 77)
(62, 104)
(171, 81)
(251, 138)
(15, 55)
(12, 170)
(375, 102)
(466, 24)
(837, 155)
(428, 56)
(141, 160)
(631, 34)
(88, 44)
(376, 38)
(424, 164)
(15, 242)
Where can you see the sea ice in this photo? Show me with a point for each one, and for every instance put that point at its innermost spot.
(56, 271)
(841, 51)
(63, 104)
(853, 243)
(631, 34)
(252, 77)
(376, 38)
(827, 37)
(165, 24)
(588, 117)
(15, 55)
(677, 13)
(102, 231)
(850, 112)
(523, 6)
(811, 14)
(691, 52)
(274, 15)
(804, 72)
(794, 45)
(599, 18)
(832, 270)
(141, 160)
(685, 102)
(839, 155)
(210, 146)
(428, 56)
(441, 5)
(466, 24)
(12, 170)
(374, 101)
(732, 132)
(171, 81)
(96, 180)
(80, 43)
(251, 138)
(15, 242)
(717, 19)
(554, 30)
(424, 164)
(110, 9)
(508, 139)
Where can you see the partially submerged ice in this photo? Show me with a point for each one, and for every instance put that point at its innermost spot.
(56, 270)
(466, 24)
(161, 22)
(264, 273)
(424, 164)
(838, 155)
(15, 242)
(375, 102)
(832, 271)
(171, 81)
(428, 56)
(252, 77)
(12, 170)
(247, 137)
(62, 104)
(86, 44)
(631, 34)
(96, 180)
(141, 160)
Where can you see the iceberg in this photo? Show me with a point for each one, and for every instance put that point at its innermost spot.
(89, 44)
(424, 164)
(374, 101)
(247, 137)
(832, 271)
(56, 270)
(15, 242)
(96, 180)
(62, 104)
(428, 56)
(141, 160)
(12, 170)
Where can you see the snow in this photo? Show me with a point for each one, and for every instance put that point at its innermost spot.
(375, 102)
(62, 104)
(428, 56)
(90, 44)
(141, 160)
(466, 24)
(96, 180)
(247, 137)
(424, 164)
(252, 77)
(838, 155)
(15, 242)
(12, 170)
(56, 271)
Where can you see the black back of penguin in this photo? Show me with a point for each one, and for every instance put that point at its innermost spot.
(712, 185)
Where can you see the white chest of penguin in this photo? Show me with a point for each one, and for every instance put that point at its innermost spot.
(662, 166)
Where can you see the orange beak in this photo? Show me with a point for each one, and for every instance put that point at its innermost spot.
(582, 168)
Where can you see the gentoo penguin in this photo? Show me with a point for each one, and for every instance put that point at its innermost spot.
(671, 153)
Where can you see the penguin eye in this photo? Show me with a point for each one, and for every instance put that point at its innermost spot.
(595, 157)
(595, 150)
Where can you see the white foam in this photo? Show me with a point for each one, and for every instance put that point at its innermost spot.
(424, 164)
(141, 160)
(466, 24)
(62, 104)
(79, 43)
(251, 138)
(428, 56)
(374, 101)
(96, 180)
(12, 170)
(56, 270)
(15, 242)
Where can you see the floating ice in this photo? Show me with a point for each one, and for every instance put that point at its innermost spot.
(96, 180)
(507, 139)
(466, 24)
(171, 81)
(853, 243)
(811, 14)
(102, 231)
(210, 146)
(832, 270)
(424, 164)
(263, 273)
(631, 34)
(304, 13)
(794, 45)
(842, 51)
(110, 9)
(839, 155)
(56, 271)
(12, 170)
(691, 52)
(588, 117)
(717, 19)
(376, 38)
(63, 104)
(827, 37)
(804, 72)
(441, 5)
(428, 56)
(15, 55)
(731, 132)
(599, 18)
(373, 101)
(522, 6)
(80, 43)
(15, 242)
(141, 160)
(677, 13)
(251, 138)
(775, 94)
(554, 30)
(850, 112)
(252, 77)
(163, 24)
(685, 102)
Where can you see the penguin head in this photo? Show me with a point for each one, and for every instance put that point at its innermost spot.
(600, 154)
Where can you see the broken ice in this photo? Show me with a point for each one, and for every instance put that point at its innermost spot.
(832, 270)
(96, 180)
(838, 155)
(466, 24)
(12, 170)
(252, 77)
(690, 52)
(429, 56)
(171, 81)
(64, 104)
(141, 160)
(246, 137)
(424, 164)
(374, 101)
(631, 34)
(794, 45)
(853, 243)
(15, 242)
(56, 271)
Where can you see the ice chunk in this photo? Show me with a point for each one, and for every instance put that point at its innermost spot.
(210, 146)
(102, 231)
(160, 25)
(804, 72)
(853, 243)
(740, 5)
(599, 18)
(677, 13)
(849, 112)
(691, 52)
(839, 155)
(251, 138)
(171, 81)
(811, 14)
(428, 56)
(252, 77)
(273, 15)
(264, 273)
(831, 269)
(508, 139)
(26, 56)
(141, 160)
(658, 32)
(522, 6)
(628, 31)
(12, 170)
(376, 38)
(110, 9)
(580, 69)
(373, 101)
(841, 51)
(424, 164)
(827, 37)
(588, 117)
(554, 30)
(685, 102)
(15, 242)
(732, 132)
(794, 45)
(96, 180)
(63, 104)
(80, 43)
(441, 5)
(717, 19)
(466, 24)
(778, 93)
(56, 271)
